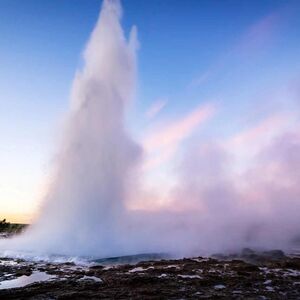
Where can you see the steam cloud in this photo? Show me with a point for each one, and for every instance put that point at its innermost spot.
(210, 209)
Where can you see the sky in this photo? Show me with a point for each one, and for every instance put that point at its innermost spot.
(207, 70)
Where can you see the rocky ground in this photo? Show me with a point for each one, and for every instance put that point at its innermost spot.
(248, 275)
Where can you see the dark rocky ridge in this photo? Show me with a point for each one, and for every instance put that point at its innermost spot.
(247, 275)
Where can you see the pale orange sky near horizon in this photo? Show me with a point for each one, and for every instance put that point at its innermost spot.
(17, 218)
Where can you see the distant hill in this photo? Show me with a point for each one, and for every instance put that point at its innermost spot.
(7, 229)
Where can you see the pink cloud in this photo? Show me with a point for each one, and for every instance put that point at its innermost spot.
(161, 145)
(174, 133)
(261, 132)
(247, 144)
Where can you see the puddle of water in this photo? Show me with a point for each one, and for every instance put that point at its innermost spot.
(25, 280)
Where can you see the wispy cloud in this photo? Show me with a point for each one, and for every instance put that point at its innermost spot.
(259, 34)
(156, 107)
(201, 79)
(163, 143)
(247, 144)
(264, 130)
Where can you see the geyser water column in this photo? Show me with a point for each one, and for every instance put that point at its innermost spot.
(84, 206)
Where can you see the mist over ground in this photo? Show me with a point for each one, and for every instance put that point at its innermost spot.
(225, 195)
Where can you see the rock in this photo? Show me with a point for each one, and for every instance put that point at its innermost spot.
(21, 272)
(196, 278)
(247, 268)
(274, 254)
(292, 264)
(247, 251)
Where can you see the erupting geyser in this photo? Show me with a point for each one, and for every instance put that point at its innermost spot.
(84, 204)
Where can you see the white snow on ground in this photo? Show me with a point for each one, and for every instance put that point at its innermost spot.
(268, 282)
(139, 269)
(293, 273)
(200, 259)
(9, 263)
(171, 266)
(219, 286)
(286, 272)
(85, 277)
(190, 276)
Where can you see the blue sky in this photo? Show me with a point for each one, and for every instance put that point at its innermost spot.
(240, 55)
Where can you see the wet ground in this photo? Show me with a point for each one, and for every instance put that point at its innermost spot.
(248, 275)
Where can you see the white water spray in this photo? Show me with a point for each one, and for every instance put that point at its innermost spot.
(84, 204)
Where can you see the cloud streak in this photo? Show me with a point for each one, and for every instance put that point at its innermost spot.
(162, 144)
(259, 35)
(156, 108)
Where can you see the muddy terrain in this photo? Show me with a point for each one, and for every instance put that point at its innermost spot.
(248, 275)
